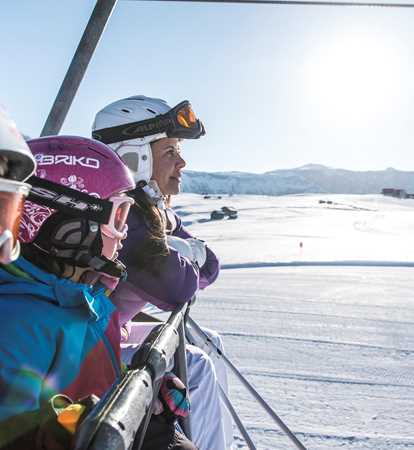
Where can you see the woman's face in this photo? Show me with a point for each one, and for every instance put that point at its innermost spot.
(167, 165)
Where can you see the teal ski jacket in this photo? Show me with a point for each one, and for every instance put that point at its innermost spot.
(56, 336)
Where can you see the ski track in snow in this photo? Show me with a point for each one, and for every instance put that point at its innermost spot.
(325, 333)
(354, 442)
(322, 379)
(262, 337)
(319, 264)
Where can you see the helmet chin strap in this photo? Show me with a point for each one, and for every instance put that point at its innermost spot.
(102, 264)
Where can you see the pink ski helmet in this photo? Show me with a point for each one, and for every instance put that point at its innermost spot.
(84, 165)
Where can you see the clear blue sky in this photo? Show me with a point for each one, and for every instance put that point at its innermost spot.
(277, 86)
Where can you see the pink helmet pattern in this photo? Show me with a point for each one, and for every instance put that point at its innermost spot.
(83, 164)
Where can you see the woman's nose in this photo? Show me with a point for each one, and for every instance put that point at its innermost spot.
(181, 162)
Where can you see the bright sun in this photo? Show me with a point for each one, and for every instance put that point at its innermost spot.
(353, 78)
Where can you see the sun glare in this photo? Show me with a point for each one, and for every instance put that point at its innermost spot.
(353, 78)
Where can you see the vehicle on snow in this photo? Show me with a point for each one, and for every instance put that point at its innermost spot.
(217, 215)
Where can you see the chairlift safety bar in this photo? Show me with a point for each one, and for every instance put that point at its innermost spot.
(121, 417)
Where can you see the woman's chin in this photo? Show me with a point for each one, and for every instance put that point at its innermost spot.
(173, 188)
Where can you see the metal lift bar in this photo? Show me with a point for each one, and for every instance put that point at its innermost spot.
(237, 419)
(248, 386)
(228, 404)
(78, 66)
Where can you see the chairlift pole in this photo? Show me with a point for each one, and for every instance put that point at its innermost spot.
(78, 66)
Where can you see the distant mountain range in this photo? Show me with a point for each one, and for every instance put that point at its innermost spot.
(312, 178)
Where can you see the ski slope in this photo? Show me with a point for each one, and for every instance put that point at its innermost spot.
(330, 347)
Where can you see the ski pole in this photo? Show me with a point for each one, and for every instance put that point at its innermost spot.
(237, 419)
(248, 386)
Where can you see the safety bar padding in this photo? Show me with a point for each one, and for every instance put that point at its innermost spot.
(114, 422)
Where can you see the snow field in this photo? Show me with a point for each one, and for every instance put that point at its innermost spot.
(271, 228)
(330, 348)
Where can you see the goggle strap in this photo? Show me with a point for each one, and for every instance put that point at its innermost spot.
(133, 130)
(69, 201)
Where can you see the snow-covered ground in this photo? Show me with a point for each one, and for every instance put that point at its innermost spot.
(331, 348)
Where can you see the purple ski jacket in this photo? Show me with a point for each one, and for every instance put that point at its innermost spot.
(178, 280)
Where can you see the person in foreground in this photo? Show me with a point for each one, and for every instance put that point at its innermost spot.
(16, 165)
(59, 336)
(67, 344)
(166, 264)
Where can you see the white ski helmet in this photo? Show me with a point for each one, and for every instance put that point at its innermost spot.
(129, 126)
(20, 161)
(17, 164)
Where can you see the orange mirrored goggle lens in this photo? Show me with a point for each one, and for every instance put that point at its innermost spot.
(186, 117)
(12, 196)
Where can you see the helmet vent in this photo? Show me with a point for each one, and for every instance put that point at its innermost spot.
(131, 160)
(126, 110)
(152, 111)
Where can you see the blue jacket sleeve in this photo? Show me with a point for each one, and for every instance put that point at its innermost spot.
(26, 353)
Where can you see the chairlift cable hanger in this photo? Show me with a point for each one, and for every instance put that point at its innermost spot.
(295, 3)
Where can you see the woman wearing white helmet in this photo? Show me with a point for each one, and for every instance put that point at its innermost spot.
(16, 165)
(166, 265)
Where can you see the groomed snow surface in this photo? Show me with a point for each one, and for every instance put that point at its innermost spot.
(330, 347)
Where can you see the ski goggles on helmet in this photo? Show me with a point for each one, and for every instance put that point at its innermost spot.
(116, 226)
(111, 213)
(179, 122)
